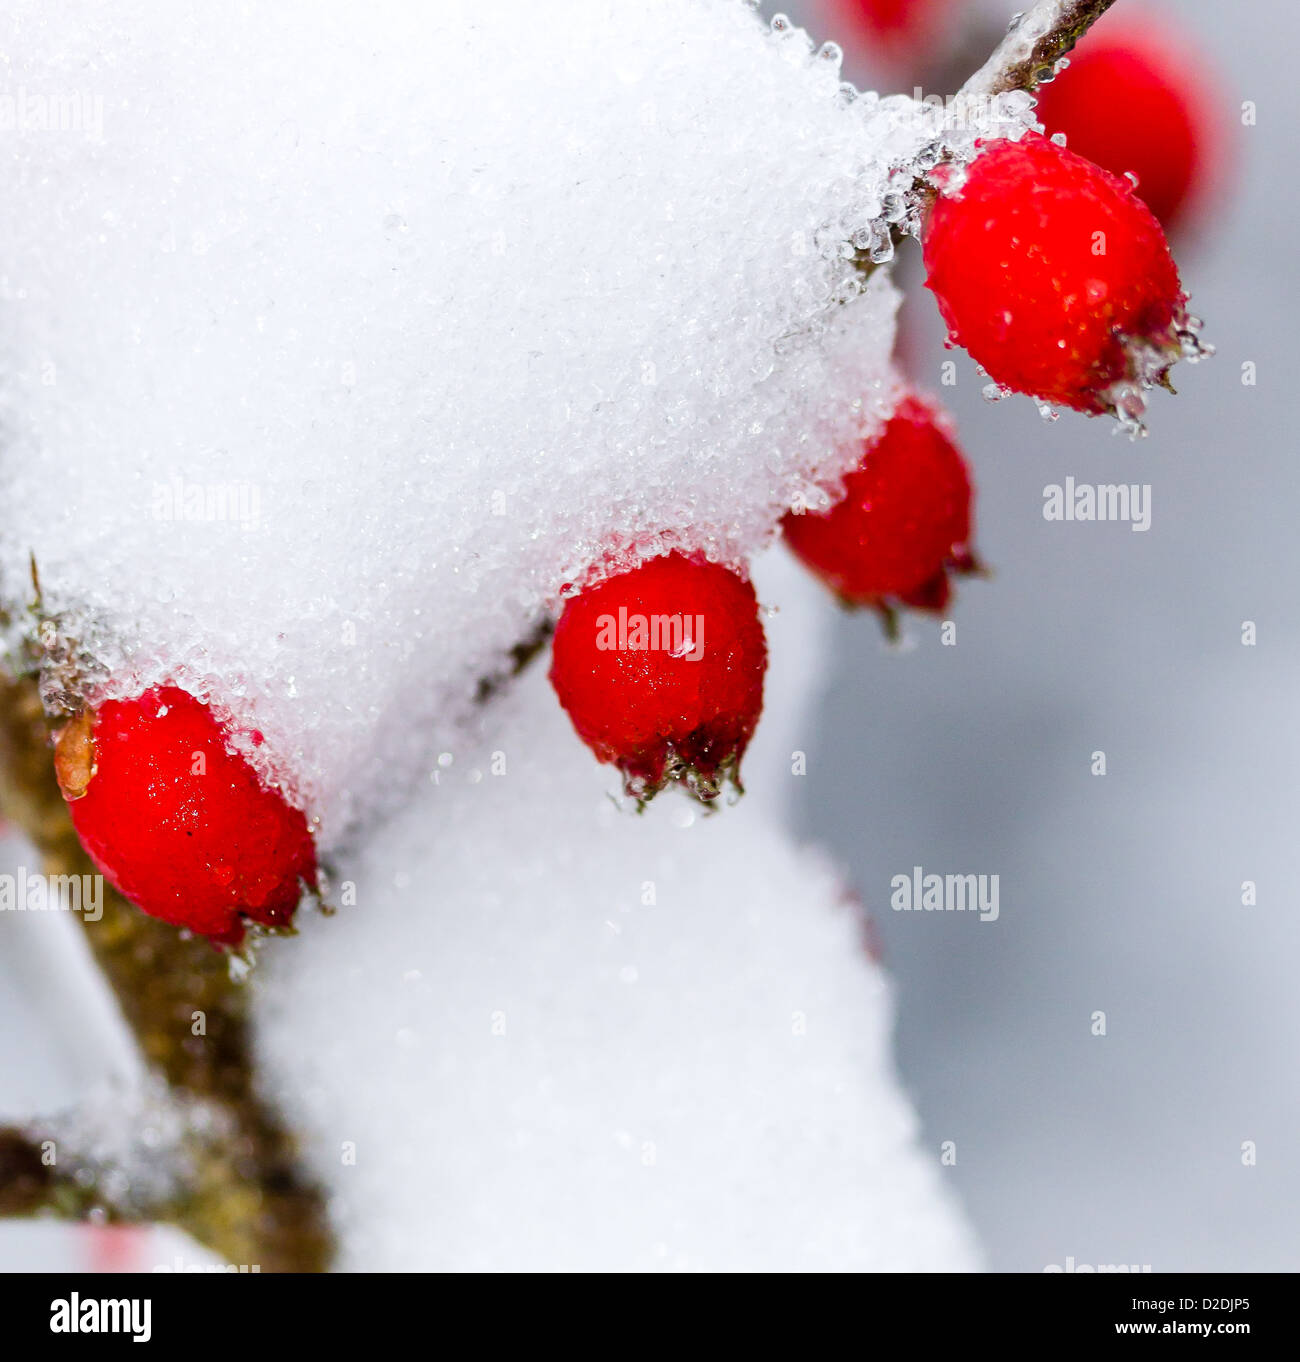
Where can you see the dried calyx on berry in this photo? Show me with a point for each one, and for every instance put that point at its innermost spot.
(903, 524)
(1057, 278)
(660, 669)
(179, 822)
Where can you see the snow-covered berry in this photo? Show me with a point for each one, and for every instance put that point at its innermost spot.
(178, 821)
(660, 668)
(904, 522)
(1056, 277)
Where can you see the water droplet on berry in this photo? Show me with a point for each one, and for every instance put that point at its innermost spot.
(995, 392)
(1048, 412)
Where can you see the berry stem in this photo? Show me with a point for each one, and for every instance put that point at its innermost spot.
(1037, 40)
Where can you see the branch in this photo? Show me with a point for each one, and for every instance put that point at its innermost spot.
(1036, 41)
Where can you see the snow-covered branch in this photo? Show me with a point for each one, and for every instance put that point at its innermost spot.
(1035, 42)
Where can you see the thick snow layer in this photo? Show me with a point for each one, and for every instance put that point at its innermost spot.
(337, 338)
(554, 1034)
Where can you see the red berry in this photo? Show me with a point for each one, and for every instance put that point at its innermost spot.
(903, 523)
(661, 671)
(892, 28)
(1133, 100)
(1056, 277)
(178, 822)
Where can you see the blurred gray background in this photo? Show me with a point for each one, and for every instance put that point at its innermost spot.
(1119, 893)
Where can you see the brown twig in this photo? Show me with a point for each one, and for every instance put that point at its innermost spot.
(1027, 56)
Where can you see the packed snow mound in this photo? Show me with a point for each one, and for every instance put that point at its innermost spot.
(338, 338)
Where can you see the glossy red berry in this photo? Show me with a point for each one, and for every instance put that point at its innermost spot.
(177, 821)
(661, 671)
(903, 523)
(1133, 100)
(1056, 277)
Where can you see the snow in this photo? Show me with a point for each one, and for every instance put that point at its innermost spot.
(466, 304)
(336, 340)
(580, 1039)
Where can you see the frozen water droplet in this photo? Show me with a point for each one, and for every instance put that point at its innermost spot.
(995, 392)
(929, 155)
(1059, 138)
(1048, 412)
(882, 248)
